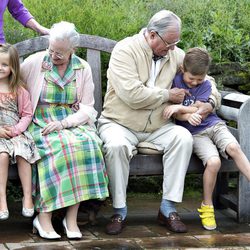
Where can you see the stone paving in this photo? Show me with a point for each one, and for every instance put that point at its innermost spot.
(141, 231)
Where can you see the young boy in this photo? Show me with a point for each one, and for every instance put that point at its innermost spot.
(210, 133)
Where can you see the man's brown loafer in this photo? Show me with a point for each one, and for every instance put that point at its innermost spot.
(173, 222)
(116, 225)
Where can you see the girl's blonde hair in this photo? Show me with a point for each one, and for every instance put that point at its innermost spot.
(14, 78)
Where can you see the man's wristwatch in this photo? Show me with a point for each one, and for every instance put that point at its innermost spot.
(211, 101)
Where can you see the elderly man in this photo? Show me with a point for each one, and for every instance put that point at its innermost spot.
(140, 75)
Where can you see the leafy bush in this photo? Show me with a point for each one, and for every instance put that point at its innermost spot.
(220, 26)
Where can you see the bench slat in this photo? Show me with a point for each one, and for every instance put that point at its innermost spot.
(94, 60)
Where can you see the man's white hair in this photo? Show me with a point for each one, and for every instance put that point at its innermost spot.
(164, 20)
(64, 31)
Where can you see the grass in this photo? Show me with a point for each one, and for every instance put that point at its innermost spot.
(220, 26)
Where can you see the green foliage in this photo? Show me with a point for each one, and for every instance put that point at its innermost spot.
(14, 191)
(220, 26)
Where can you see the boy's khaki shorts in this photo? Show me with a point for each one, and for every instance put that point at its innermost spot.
(211, 140)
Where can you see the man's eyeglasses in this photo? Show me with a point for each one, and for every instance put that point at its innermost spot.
(58, 55)
(168, 45)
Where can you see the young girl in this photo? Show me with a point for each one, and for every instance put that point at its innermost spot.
(16, 144)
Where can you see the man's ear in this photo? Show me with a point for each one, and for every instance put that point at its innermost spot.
(181, 69)
(152, 34)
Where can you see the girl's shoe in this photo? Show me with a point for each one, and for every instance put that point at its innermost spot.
(207, 217)
(4, 214)
(70, 234)
(46, 235)
(28, 212)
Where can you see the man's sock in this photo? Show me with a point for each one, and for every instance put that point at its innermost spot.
(167, 207)
(122, 211)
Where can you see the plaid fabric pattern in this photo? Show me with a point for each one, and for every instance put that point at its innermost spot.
(53, 76)
(72, 167)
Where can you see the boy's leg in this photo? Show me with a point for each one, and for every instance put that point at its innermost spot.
(209, 179)
(234, 150)
(208, 153)
(228, 146)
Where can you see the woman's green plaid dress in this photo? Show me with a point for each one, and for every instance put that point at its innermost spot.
(72, 167)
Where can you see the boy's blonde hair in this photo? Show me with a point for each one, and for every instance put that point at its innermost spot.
(14, 78)
(196, 61)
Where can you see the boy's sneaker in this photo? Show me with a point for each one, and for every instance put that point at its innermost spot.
(207, 216)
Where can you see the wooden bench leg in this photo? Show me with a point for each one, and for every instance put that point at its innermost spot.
(243, 212)
(224, 199)
(221, 189)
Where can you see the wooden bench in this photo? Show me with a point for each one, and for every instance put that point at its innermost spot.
(234, 107)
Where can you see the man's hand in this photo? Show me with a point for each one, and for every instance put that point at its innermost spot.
(170, 110)
(205, 109)
(5, 132)
(51, 127)
(177, 95)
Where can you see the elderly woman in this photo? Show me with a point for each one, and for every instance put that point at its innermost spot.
(71, 168)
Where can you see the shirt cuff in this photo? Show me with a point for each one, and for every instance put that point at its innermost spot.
(165, 95)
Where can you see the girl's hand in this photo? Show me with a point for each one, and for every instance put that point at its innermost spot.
(5, 132)
(51, 127)
(195, 119)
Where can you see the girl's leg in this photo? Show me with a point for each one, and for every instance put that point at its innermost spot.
(24, 171)
(234, 150)
(71, 218)
(4, 166)
(209, 179)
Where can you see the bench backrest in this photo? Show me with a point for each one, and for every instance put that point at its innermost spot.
(235, 106)
(94, 46)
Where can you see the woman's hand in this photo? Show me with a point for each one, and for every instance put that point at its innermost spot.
(5, 132)
(51, 127)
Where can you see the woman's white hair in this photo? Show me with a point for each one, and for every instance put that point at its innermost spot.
(64, 31)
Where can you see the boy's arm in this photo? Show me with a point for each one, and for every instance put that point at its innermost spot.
(178, 111)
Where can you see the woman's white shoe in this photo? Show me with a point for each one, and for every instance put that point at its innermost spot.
(46, 235)
(70, 234)
(4, 214)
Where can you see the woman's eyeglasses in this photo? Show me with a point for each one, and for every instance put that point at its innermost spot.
(56, 54)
